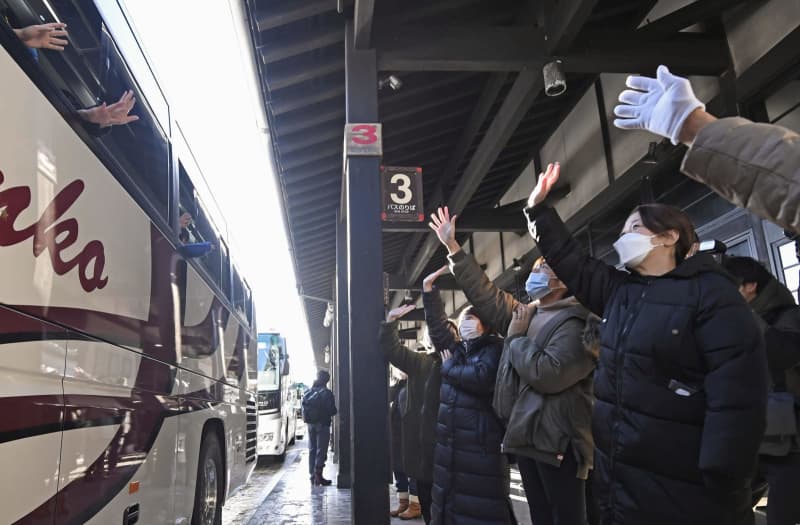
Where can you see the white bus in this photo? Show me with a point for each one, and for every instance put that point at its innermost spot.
(277, 413)
(126, 341)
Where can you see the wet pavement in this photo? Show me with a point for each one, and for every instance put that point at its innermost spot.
(281, 494)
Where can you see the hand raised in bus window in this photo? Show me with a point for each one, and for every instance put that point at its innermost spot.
(114, 115)
(44, 36)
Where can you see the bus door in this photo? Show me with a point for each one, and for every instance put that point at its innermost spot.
(32, 355)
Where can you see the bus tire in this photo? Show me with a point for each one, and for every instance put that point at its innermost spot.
(210, 483)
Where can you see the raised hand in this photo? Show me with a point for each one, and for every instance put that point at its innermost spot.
(546, 182)
(114, 115)
(427, 282)
(44, 36)
(446, 355)
(399, 312)
(660, 105)
(445, 227)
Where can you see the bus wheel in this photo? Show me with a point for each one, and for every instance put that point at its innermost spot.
(208, 492)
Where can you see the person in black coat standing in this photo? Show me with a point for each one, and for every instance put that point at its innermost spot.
(681, 384)
(470, 476)
(319, 406)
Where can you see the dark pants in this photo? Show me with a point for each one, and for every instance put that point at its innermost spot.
(319, 435)
(555, 495)
(425, 500)
(404, 484)
(783, 476)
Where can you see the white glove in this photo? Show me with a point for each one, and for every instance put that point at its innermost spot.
(659, 105)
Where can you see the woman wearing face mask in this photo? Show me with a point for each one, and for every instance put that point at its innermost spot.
(470, 476)
(681, 381)
(546, 398)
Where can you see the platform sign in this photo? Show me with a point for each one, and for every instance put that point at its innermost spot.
(401, 194)
(365, 140)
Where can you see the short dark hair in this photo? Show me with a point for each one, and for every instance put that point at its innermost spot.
(323, 376)
(660, 218)
(747, 270)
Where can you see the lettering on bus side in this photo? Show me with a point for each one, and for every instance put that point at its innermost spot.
(50, 234)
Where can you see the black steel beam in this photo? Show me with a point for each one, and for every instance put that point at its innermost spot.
(689, 15)
(274, 52)
(514, 48)
(458, 48)
(516, 104)
(292, 11)
(564, 22)
(362, 23)
(291, 75)
(342, 343)
(476, 119)
(686, 53)
(475, 221)
(409, 334)
(368, 385)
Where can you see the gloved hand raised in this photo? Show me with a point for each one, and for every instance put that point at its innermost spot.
(659, 105)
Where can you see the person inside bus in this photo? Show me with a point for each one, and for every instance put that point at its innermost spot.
(471, 474)
(681, 384)
(53, 36)
(546, 382)
(753, 165)
(779, 455)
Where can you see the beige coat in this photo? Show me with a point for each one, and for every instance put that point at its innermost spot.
(755, 166)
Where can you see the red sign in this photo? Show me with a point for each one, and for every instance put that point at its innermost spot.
(363, 140)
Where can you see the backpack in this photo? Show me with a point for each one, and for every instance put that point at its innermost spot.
(313, 406)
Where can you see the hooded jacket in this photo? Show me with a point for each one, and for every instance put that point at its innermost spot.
(753, 165)
(553, 406)
(681, 386)
(471, 477)
(418, 435)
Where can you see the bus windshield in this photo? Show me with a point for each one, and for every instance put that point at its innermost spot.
(271, 353)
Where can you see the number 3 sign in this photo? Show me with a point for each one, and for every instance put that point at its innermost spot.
(401, 194)
(363, 140)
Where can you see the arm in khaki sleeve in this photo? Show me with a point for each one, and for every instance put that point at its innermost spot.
(755, 166)
(494, 303)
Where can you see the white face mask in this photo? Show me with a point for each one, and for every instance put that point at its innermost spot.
(633, 248)
(469, 329)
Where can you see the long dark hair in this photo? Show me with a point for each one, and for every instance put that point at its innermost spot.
(660, 218)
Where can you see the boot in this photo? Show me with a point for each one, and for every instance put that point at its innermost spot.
(402, 504)
(414, 511)
(320, 481)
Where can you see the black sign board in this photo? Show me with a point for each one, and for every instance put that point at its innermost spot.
(401, 194)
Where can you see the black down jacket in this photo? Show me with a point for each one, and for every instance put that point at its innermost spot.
(681, 386)
(470, 475)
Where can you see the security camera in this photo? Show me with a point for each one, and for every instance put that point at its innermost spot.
(392, 81)
(555, 82)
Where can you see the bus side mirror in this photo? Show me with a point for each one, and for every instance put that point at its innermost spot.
(285, 368)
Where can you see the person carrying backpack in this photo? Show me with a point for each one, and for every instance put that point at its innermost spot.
(779, 454)
(544, 388)
(319, 406)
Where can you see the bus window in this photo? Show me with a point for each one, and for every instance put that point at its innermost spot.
(225, 270)
(238, 293)
(92, 80)
(248, 303)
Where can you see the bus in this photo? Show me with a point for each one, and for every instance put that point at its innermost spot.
(277, 400)
(127, 333)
